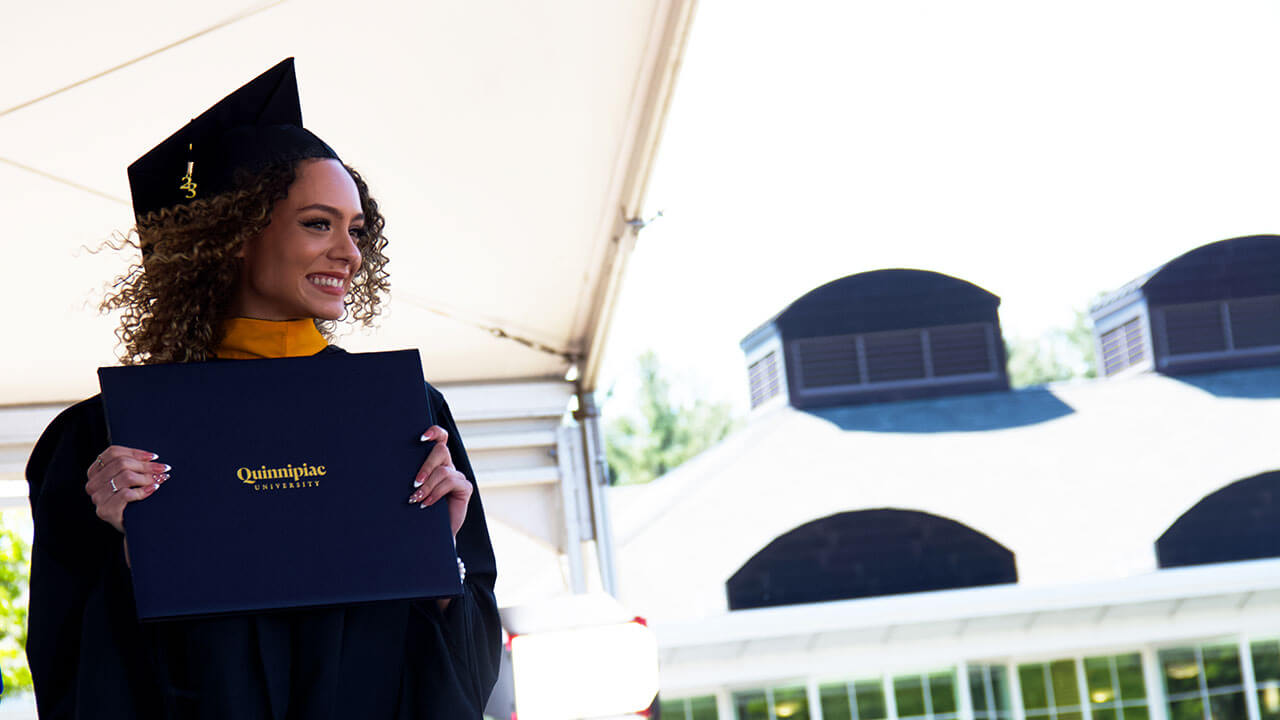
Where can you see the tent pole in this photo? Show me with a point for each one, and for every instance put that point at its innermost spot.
(597, 472)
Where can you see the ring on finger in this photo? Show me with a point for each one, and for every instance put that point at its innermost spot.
(114, 489)
(100, 465)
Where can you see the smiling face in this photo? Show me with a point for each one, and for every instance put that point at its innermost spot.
(302, 264)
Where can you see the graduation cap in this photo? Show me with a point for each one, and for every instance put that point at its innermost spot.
(253, 127)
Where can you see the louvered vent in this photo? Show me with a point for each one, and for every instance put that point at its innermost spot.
(960, 350)
(828, 361)
(868, 361)
(764, 379)
(1195, 328)
(894, 356)
(1123, 347)
(1255, 322)
(1201, 331)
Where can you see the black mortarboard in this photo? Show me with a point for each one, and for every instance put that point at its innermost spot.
(253, 127)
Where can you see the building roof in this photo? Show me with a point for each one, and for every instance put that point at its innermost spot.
(1236, 267)
(1121, 296)
(1077, 479)
(891, 288)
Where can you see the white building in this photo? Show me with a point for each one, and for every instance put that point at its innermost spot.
(896, 534)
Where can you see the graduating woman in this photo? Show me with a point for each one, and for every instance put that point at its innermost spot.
(255, 238)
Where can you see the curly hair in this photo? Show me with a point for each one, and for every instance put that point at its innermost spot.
(177, 297)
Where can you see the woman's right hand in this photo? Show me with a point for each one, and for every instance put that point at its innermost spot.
(122, 475)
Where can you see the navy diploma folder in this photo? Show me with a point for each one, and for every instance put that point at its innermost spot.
(290, 483)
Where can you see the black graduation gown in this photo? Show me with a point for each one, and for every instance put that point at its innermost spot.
(90, 658)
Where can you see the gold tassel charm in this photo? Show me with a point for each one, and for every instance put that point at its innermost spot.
(188, 184)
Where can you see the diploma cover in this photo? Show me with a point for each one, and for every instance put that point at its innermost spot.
(290, 483)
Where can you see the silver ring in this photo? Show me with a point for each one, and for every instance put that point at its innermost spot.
(114, 489)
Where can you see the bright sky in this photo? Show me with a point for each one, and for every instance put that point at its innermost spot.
(1043, 150)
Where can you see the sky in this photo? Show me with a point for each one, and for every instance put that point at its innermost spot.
(1047, 151)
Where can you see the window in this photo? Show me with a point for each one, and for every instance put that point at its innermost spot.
(696, 708)
(783, 703)
(926, 697)
(1266, 670)
(989, 689)
(753, 705)
(859, 700)
(1113, 687)
(1203, 681)
(762, 377)
(898, 358)
(1117, 690)
(1050, 690)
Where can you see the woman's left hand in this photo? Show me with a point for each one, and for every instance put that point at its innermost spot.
(438, 478)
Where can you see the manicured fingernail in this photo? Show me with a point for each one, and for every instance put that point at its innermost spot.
(424, 437)
(164, 476)
(423, 506)
(166, 467)
(155, 487)
(417, 482)
(411, 500)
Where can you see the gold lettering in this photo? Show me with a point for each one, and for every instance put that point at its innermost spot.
(291, 475)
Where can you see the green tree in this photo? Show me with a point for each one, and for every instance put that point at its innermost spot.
(15, 559)
(1058, 354)
(661, 433)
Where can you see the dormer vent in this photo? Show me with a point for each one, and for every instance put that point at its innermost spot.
(883, 335)
(1213, 308)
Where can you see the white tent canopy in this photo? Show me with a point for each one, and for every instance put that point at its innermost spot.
(507, 142)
